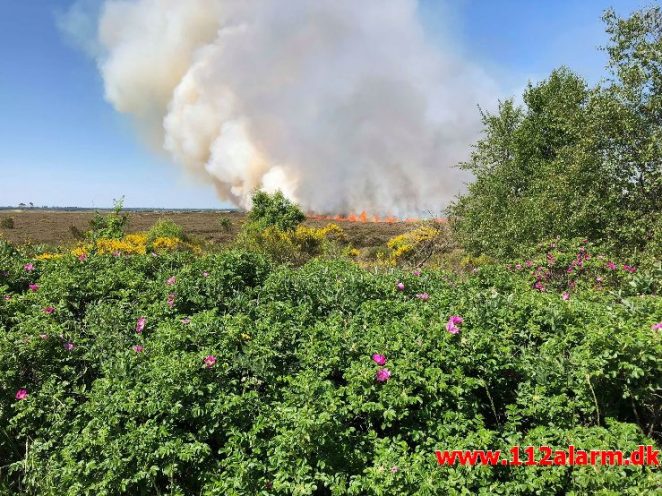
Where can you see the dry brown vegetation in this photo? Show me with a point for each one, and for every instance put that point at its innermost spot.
(56, 227)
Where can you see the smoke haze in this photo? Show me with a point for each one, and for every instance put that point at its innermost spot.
(345, 106)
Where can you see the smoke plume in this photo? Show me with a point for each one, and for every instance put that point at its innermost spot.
(345, 106)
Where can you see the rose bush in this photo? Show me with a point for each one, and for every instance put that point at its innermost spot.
(248, 377)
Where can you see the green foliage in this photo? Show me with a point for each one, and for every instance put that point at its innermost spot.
(293, 247)
(165, 228)
(561, 346)
(274, 211)
(7, 223)
(109, 226)
(292, 405)
(274, 229)
(225, 223)
(573, 160)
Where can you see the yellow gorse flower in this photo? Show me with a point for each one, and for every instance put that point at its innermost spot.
(48, 256)
(403, 245)
(133, 244)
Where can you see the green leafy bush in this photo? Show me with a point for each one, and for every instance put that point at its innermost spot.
(274, 211)
(251, 378)
(109, 226)
(225, 223)
(293, 247)
(165, 228)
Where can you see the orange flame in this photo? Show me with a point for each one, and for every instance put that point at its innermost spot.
(363, 217)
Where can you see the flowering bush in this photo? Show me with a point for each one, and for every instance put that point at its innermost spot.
(294, 246)
(566, 266)
(227, 374)
(418, 245)
(130, 244)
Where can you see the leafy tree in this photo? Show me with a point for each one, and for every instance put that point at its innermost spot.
(275, 211)
(635, 85)
(573, 160)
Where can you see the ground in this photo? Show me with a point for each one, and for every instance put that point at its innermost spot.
(54, 227)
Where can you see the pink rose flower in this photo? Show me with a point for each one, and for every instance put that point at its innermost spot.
(140, 325)
(28, 267)
(209, 361)
(34, 287)
(400, 286)
(383, 375)
(138, 348)
(69, 346)
(379, 359)
(49, 310)
(171, 281)
(453, 323)
(565, 296)
(21, 394)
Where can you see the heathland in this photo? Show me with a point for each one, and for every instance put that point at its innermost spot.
(264, 353)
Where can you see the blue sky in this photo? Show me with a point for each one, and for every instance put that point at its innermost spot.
(62, 144)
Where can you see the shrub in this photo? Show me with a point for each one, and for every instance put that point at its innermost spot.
(109, 226)
(165, 234)
(134, 244)
(274, 211)
(7, 223)
(165, 228)
(419, 245)
(291, 404)
(225, 223)
(295, 246)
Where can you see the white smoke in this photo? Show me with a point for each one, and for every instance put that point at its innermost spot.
(344, 105)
